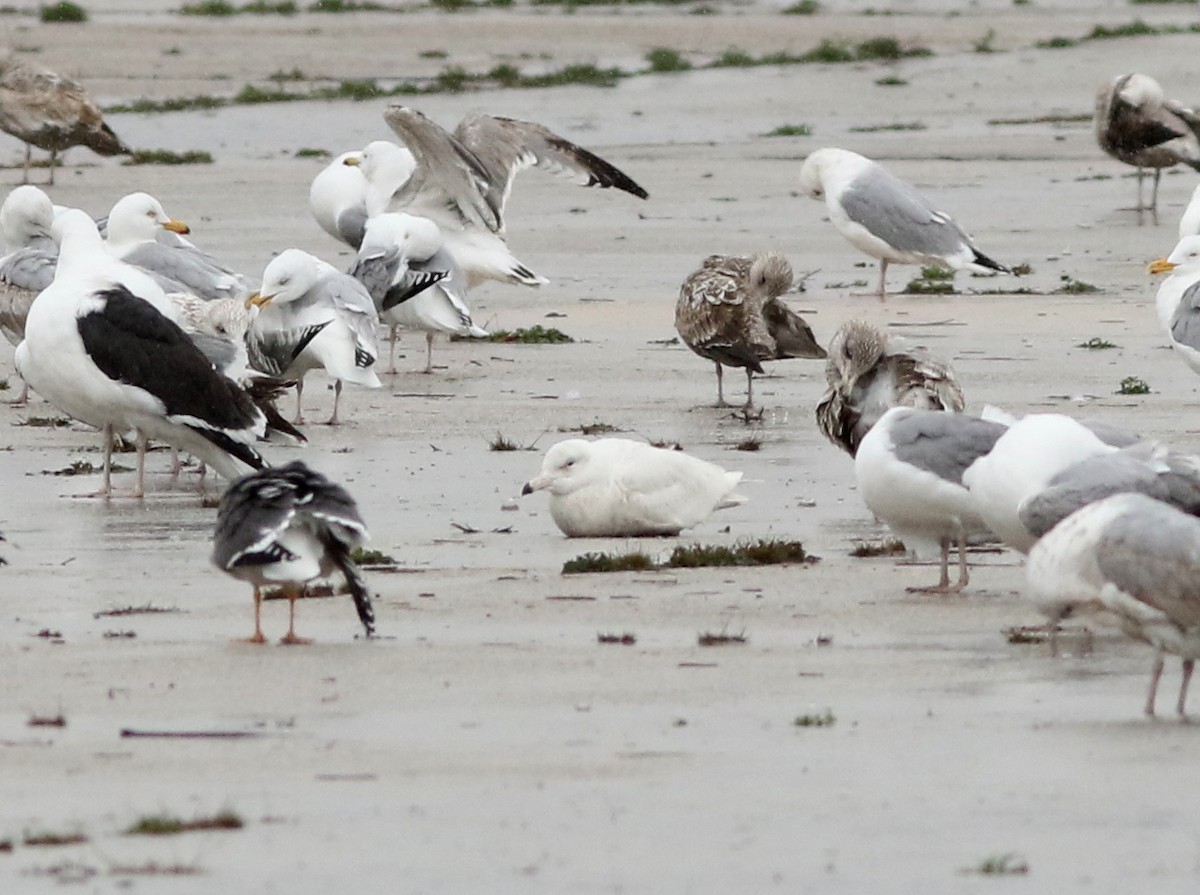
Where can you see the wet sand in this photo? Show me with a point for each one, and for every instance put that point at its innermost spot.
(486, 742)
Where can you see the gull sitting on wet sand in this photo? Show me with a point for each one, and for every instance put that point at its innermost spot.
(615, 487)
(729, 311)
(1136, 124)
(886, 217)
(910, 468)
(868, 372)
(311, 315)
(1137, 558)
(461, 182)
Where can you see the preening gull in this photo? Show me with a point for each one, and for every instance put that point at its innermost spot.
(289, 525)
(910, 468)
(1137, 557)
(729, 311)
(386, 166)
(1138, 125)
(27, 267)
(887, 218)
(1022, 463)
(99, 345)
(133, 227)
(1178, 299)
(868, 372)
(462, 181)
(312, 315)
(413, 280)
(1143, 468)
(614, 487)
(338, 199)
(46, 110)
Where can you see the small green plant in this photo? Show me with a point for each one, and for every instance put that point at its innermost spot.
(1133, 385)
(143, 609)
(886, 547)
(1026, 634)
(891, 81)
(1136, 28)
(986, 44)
(44, 838)
(208, 8)
(664, 59)
(760, 552)
(45, 422)
(886, 49)
(608, 562)
(167, 157)
(750, 444)
(933, 280)
(433, 54)
(829, 51)
(790, 130)
(625, 639)
(1095, 343)
(62, 12)
(1022, 270)
(1075, 287)
(1056, 43)
(596, 428)
(1009, 864)
(502, 443)
(169, 825)
(307, 152)
(815, 719)
(534, 335)
(898, 126)
(365, 557)
(707, 638)
(803, 8)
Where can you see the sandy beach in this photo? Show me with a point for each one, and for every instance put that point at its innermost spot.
(486, 741)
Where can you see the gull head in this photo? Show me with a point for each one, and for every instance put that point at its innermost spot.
(770, 274)
(565, 468)
(856, 347)
(286, 278)
(26, 214)
(1185, 255)
(137, 218)
(1142, 92)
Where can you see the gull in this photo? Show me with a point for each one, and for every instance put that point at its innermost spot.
(1138, 125)
(886, 217)
(729, 311)
(1137, 558)
(289, 525)
(52, 112)
(312, 315)
(26, 216)
(615, 487)
(910, 469)
(386, 167)
(461, 182)
(1025, 460)
(133, 227)
(337, 199)
(101, 345)
(1178, 299)
(1143, 468)
(413, 280)
(868, 372)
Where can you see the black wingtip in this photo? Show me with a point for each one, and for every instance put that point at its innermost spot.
(359, 591)
(984, 261)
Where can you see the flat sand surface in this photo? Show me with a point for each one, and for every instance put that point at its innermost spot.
(486, 742)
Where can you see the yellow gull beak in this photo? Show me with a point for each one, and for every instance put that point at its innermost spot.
(1161, 265)
(353, 161)
(257, 300)
(177, 227)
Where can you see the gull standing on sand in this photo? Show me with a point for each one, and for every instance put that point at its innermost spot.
(729, 311)
(461, 182)
(1138, 125)
(312, 315)
(1023, 462)
(1178, 299)
(102, 346)
(133, 227)
(413, 280)
(869, 372)
(614, 487)
(1136, 557)
(886, 217)
(289, 525)
(46, 110)
(910, 468)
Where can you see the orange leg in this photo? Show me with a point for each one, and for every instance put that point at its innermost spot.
(290, 638)
(258, 634)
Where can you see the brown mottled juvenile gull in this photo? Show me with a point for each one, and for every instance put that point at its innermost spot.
(869, 371)
(886, 217)
(729, 311)
(1136, 557)
(289, 525)
(462, 181)
(910, 468)
(52, 112)
(1138, 125)
(615, 487)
